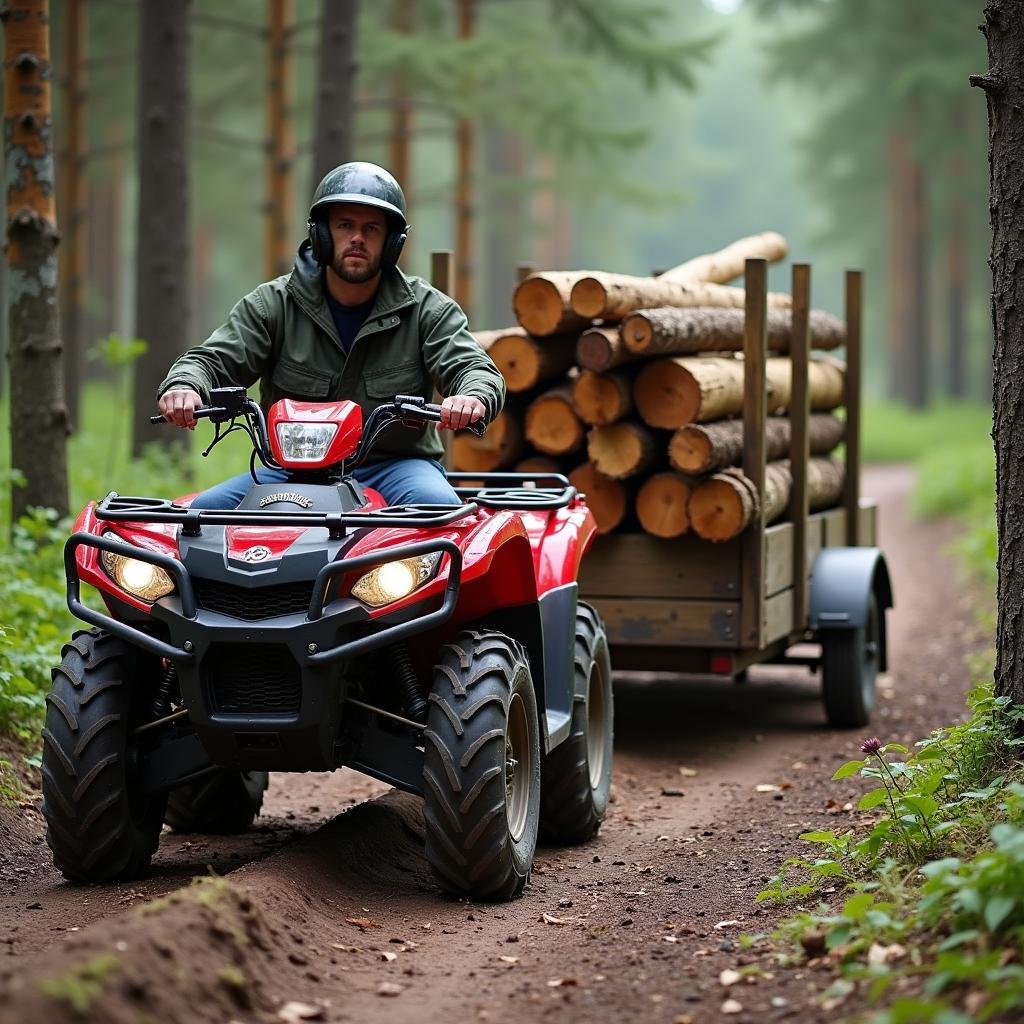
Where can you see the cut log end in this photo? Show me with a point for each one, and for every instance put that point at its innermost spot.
(721, 507)
(689, 450)
(637, 333)
(588, 298)
(539, 306)
(552, 427)
(606, 498)
(661, 505)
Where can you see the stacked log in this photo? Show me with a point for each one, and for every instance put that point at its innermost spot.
(634, 388)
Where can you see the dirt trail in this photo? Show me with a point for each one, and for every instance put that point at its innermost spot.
(638, 925)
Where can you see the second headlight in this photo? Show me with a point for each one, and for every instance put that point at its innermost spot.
(394, 580)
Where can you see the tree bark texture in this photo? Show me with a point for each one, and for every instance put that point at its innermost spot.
(39, 419)
(689, 331)
(676, 390)
(600, 296)
(163, 299)
(706, 448)
(1004, 87)
(280, 157)
(334, 130)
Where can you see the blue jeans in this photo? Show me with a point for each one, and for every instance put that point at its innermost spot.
(400, 481)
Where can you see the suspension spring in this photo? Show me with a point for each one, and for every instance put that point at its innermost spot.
(165, 690)
(413, 704)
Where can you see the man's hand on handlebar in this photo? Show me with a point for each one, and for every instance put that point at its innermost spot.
(178, 405)
(461, 411)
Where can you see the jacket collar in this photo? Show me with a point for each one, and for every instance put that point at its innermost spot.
(306, 285)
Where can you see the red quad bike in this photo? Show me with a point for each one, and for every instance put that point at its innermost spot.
(441, 649)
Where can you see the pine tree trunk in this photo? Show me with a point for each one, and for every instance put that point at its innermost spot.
(899, 269)
(919, 369)
(334, 130)
(1004, 88)
(280, 155)
(38, 415)
(163, 300)
(957, 246)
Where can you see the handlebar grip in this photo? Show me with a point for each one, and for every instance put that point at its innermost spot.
(204, 410)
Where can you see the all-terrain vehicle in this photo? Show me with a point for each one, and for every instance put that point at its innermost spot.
(441, 649)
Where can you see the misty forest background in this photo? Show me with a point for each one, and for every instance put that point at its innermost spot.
(611, 135)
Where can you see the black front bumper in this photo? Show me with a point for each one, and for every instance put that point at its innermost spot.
(265, 694)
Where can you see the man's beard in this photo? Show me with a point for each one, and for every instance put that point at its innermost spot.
(356, 275)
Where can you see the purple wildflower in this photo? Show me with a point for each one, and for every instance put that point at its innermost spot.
(871, 746)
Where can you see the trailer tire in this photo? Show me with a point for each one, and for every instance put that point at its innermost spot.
(576, 777)
(100, 825)
(481, 775)
(849, 670)
(222, 803)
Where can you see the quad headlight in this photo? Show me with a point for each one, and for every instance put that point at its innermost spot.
(305, 442)
(143, 580)
(394, 580)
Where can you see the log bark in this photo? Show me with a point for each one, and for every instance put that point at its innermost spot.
(602, 348)
(621, 450)
(671, 392)
(661, 504)
(707, 448)
(552, 426)
(688, 331)
(501, 445)
(729, 263)
(525, 361)
(607, 499)
(723, 506)
(603, 296)
(602, 398)
(541, 303)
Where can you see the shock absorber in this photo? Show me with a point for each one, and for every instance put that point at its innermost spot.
(164, 690)
(413, 704)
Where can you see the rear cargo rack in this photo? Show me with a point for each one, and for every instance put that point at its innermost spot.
(123, 508)
(527, 491)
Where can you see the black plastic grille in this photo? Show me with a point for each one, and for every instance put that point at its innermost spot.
(253, 603)
(252, 679)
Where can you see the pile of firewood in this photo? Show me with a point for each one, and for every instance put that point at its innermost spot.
(634, 387)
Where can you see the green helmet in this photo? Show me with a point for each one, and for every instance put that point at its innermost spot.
(365, 184)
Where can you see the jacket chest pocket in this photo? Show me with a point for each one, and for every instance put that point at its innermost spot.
(404, 379)
(294, 379)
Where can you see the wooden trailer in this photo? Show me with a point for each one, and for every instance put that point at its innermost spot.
(692, 606)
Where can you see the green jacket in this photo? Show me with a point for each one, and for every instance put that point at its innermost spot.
(282, 334)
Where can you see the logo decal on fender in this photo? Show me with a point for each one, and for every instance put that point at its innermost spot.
(296, 499)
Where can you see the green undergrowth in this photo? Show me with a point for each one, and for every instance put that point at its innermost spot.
(922, 902)
(892, 432)
(34, 620)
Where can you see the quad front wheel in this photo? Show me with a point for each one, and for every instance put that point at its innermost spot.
(849, 669)
(481, 776)
(100, 824)
(226, 801)
(576, 777)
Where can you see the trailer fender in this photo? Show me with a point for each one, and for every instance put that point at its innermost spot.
(842, 582)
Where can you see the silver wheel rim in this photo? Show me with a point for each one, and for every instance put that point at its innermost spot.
(518, 767)
(597, 733)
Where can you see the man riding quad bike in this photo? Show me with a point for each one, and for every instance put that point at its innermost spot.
(441, 649)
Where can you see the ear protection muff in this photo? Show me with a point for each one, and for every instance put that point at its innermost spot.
(321, 243)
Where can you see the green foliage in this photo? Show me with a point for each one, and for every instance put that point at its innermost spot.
(10, 786)
(941, 871)
(80, 986)
(892, 432)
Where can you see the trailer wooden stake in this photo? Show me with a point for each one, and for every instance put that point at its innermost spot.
(851, 491)
(799, 443)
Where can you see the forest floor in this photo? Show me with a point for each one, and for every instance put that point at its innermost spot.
(326, 909)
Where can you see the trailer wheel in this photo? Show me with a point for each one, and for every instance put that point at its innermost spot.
(222, 803)
(481, 776)
(576, 777)
(100, 825)
(849, 669)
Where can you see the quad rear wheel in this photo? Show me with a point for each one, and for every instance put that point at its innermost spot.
(576, 777)
(100, 824)
(482, 767)
(225, 802)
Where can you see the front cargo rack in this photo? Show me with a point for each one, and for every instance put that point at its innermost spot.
(123, 508)
(525, 491)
